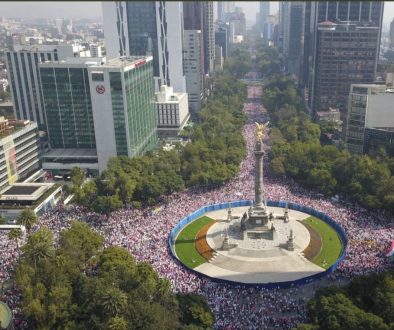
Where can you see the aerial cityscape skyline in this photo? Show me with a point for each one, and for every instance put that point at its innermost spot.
(92, 9)
(197, 165)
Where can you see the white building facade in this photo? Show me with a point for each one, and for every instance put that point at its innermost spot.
(172, 112)
(369, 106)
(194, 69)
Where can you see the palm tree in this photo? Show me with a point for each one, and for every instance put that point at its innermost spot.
(15, 234)
(60, 261)
(113, 301)
(27, 218)
(39, 246)
(117, 323)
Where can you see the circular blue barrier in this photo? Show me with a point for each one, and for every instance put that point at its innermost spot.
(293, 206)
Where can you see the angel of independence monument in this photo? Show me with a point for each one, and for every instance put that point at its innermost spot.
(257, 222)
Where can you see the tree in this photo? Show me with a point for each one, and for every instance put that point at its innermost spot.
(15, 234)
(113, 301)
(117, 323)
(277, 166)
(80, 244)
(77, 178)
(195, 311)
(353, 307)
(27, 218)
(114, 293)
(39, 246)
(87, 194)
(107, 204)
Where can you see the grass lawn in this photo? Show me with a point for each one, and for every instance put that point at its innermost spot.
(185, 243)
(331, 243)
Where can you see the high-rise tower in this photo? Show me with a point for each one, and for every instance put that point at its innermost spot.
(359, 13)
(263, 16)
(392, 34)
(23, 73)
(148, 28)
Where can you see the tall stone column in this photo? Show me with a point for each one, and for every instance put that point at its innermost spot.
(258, 182)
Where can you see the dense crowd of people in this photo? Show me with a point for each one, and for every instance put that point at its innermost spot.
(144, 232)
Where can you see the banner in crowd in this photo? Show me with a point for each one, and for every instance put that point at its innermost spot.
(390, 251)
(10, 160)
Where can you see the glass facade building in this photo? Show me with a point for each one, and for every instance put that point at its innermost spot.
(122, 91)
(148, 28)
(140, 112)
(142, 30)
(68, 106)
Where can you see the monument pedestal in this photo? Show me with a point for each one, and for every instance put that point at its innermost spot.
(258, 224)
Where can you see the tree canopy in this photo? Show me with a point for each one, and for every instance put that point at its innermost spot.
(79, 284)
(366, 303)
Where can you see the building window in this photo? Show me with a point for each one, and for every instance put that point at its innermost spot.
(98, 76)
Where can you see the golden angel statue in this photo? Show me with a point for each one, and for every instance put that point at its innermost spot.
(260, 130)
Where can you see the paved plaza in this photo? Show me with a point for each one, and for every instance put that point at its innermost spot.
(258, 260)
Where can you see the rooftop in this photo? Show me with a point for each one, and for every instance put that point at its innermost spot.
(345, 26)
(21, 190)
(8, 127)
(38, 48)
(387, 129)
(71, 153)
(100, 62)
(73, 61)
(24, 192)
(126, 61)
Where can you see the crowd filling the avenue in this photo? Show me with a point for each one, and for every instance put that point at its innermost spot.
(144, 232)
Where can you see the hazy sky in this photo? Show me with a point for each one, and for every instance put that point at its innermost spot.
(93, 9)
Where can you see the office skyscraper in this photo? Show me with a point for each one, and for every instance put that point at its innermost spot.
(153, 28)
(284, 27)
(360, 12)
(345, 54)
(23, 73)
(263, 16)
(295, 48)
(198, 15)
(194, 69)
(291, 31)
(209, 37)
(392, 34)
(264, 11)
(220, 11)
(193, 15)
(221, 38)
